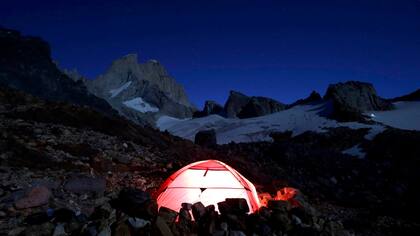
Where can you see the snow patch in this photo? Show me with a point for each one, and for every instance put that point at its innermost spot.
(406, 115)
(115, 92)
(355, 151)
(298, 119)
(139, 105)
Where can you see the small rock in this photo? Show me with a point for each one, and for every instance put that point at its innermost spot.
(198, 210)
(59, 230)
(37, 218)
(39, 230)
(86, 185)
(186, 206)
(106, 231)
(163, 227)
(2, 214)
(122, 229)
(168, 215)
(138, 223)
(63, 215)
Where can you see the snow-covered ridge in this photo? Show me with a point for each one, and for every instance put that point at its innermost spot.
(297, 119)
(139, 105)
(115, 92)
(405, 116)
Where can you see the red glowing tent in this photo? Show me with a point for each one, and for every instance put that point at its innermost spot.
(209, 182)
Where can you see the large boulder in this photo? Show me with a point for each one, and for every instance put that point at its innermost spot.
(350, 99)
(210, 108)
(35, 197)
(235, 103)
(136, 203)
(260, 106)
(206, 138)
(26, 64)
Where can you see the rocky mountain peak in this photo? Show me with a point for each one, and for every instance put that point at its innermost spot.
(131, 58)
(241, 106)
(352, 98)
(312, 98)
(234, 103)
(210, 108)
(26, 64)
(141, 91)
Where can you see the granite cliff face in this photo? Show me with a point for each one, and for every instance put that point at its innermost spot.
(260, 106)
(352, 98)
(210, 108)
(235, 103)
(26, 64)
(141, 92)
(241, 106)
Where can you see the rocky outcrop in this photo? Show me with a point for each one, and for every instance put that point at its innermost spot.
(235, 103)
(26, 64)
(260, 106)
(210, 108)
(74, 75)
(350, 99)
(414, 96)
(142, 92)
(314, 97)
(239, 105)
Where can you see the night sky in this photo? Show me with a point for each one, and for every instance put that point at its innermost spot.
(280, 49)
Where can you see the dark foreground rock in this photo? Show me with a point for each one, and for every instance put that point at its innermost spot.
(46, 145)
(206, 138)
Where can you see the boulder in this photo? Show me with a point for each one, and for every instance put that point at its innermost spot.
(206, 138)
(350, 99)
(135, 203)
(35, 197)
(168, 215)
(86, 185)
(198, 210)
(237, 205)
(260, 106)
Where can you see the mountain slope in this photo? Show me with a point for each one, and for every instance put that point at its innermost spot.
(26, 64)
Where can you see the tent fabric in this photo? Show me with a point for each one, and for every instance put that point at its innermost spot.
(209, 182)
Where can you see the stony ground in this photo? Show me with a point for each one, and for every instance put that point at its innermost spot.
(68, 170)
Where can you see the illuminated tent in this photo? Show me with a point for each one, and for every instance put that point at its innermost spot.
(209, 182)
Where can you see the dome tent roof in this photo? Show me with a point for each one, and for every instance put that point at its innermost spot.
(209, 182)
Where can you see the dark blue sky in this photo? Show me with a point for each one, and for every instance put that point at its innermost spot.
(281, 49)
